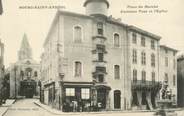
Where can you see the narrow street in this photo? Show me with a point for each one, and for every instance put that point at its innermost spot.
(26, 107)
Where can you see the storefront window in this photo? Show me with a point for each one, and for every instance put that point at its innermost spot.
(70, 92)
(85, 93)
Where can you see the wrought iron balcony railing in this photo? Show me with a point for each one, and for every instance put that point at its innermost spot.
(146, 85)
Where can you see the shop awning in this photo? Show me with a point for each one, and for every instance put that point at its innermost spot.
(77, 84)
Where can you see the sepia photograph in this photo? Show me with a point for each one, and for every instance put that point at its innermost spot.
(91, 57)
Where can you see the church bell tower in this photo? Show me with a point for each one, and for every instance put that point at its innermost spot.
(25, 51)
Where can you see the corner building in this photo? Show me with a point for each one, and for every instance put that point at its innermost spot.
(85, 60)
(94, 62)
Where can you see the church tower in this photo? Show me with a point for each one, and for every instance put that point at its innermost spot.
(25, 51)
(96, 7)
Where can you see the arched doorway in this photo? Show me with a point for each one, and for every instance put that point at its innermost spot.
(117, 99)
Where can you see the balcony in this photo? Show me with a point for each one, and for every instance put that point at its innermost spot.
(99, 70)
(146, 85)
(99, 49)
(99, 37)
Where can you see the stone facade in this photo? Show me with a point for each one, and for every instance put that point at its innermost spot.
(168, 71)
(62, 51)
(144, 68)
(24, 74)
(88, 63)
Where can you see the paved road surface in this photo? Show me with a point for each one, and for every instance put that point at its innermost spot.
(26, 107)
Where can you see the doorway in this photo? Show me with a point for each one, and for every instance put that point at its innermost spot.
(153, 95)
(117, 99)
(29, 92)
(28, 88)
(101, 98)
(135, 99)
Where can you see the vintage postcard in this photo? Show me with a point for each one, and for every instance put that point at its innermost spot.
(91, 57)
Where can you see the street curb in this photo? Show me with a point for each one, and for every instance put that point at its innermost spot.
(10, 104)
(77, 113)
(45, 108)
(8, 107)
(107, 112)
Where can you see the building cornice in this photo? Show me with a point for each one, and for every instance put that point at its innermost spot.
(108, 20)
(146, 33)
(56, 18)
(168, 48)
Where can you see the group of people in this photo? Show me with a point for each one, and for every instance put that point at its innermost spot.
(79, 106)
(76, 106)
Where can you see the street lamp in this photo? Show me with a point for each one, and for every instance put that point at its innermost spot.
(15, 70)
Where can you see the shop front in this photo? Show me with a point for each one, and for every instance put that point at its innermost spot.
(102, 93)
(77, 97)
(84, 97)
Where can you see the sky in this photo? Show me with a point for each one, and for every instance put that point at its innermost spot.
(36, 22)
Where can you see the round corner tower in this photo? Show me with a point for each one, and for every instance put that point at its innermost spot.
(96, 7)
